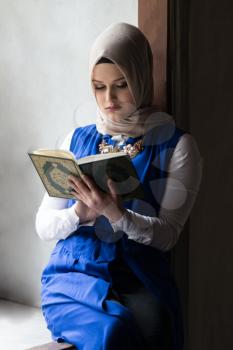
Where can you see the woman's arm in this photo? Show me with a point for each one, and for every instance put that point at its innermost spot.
(182, 185)
(54, 220)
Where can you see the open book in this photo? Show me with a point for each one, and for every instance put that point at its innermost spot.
(54, 167)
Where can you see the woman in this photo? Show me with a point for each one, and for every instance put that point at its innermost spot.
(107, 284)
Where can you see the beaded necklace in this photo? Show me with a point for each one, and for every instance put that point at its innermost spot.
(131, 149)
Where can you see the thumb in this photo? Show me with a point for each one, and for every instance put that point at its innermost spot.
(112, 188)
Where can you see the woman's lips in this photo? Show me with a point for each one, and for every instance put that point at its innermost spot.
(113, 108)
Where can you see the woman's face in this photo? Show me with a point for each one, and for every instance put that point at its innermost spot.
(112, 92)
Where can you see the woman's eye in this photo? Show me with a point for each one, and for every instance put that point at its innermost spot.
(121, 86)
(99, 87)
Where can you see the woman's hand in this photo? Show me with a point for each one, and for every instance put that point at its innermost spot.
(107, 204)
(85, 213)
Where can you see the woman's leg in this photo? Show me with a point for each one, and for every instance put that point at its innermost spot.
(150, 317)
(90, 329)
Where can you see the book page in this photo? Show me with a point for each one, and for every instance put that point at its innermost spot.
(54, 153)
(96, 157)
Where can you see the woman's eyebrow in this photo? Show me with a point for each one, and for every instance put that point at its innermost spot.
(98, 81)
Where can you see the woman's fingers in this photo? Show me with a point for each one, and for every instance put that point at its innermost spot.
(76, 183)
(87, 191)
(113, 192)
(74, 179)
(89, 182)
(84, 189)
(77, 187)
(83, 181)
(84, 212)
(112, 188)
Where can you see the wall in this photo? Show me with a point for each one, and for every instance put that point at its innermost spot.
(44, 93)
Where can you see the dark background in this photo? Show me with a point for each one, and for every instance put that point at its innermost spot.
(199, 93)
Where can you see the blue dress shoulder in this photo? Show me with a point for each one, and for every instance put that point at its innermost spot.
(77, 279)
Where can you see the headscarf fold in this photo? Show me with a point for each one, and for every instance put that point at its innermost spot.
(127, 47)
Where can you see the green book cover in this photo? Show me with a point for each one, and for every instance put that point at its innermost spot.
(54, 167)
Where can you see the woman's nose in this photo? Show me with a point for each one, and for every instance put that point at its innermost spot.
(110, 95)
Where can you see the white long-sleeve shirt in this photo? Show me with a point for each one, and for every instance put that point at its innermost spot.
(55, 221)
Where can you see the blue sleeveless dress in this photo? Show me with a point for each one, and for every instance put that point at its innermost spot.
(77, 279)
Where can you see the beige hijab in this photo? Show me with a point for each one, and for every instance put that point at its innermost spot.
(128, 48)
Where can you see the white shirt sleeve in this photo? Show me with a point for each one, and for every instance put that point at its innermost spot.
(182, 185)
(53, 219)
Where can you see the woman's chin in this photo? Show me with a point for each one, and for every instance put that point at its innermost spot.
(115, 116)
(119, 115)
